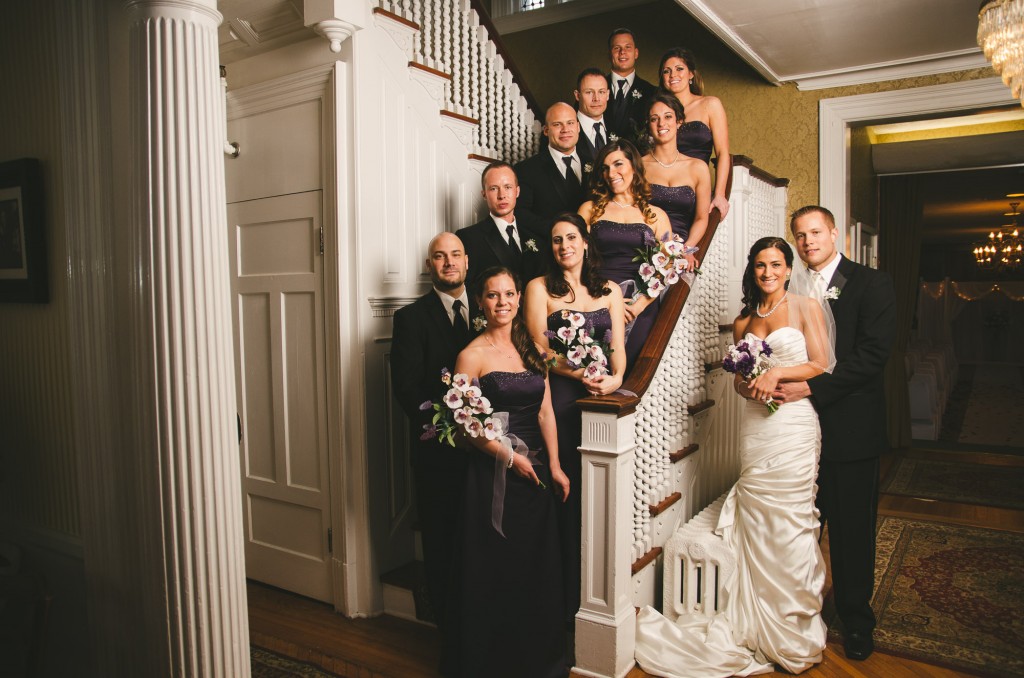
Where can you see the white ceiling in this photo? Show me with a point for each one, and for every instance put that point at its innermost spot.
(825, 43)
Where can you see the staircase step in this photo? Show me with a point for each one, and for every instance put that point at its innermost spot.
(405, 593)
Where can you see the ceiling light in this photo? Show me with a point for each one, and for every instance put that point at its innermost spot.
(1003, 250)
(1001, 37)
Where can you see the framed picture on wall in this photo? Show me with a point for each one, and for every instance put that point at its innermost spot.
(23, 271)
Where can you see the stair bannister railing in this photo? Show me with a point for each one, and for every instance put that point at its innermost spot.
(456, 42)
(648, 461)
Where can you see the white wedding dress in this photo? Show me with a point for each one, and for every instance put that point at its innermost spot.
(772, 610)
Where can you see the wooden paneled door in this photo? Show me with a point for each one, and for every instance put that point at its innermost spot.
(277, 294)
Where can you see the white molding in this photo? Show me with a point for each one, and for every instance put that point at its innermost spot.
(403, 34)
(836, 115)
(307, 85)
(702, 13)
(564, 11)
(895, 70)
(385, 307)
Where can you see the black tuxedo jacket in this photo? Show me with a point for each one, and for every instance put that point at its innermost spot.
(543, 191)
(485, 248)
(629, 120)
(851, 400)
(423, 342)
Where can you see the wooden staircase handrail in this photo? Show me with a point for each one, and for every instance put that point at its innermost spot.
(672, 303)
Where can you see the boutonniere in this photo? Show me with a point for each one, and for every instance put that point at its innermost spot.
(613, 137)
(479, 323)
(531, 245)
(636, 94)
(831, 294)
(588, 168)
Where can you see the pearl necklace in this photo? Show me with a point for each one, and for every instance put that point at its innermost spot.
(488, 339)
(663, 164)
(777, 303)
(625, 207)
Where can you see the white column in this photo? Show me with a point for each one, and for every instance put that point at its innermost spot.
(606, 622)
(183, 404)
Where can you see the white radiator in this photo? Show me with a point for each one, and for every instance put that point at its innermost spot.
(697, 565)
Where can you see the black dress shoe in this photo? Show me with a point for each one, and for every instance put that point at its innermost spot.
(858, 646)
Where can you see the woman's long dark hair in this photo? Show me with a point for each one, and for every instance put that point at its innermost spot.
(554, 279)
(686, 56)
(520, 336)
(659, 97)
(601, 192)
(751, 292)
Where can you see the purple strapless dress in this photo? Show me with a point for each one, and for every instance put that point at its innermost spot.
(565, 391)
(618, 244)
(511, 599)
(679, 203)
(695, 140)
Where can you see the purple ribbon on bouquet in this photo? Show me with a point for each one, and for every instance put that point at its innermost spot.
(511, 444)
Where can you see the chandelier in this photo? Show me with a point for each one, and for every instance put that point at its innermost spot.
(1004, 249)
(1001, 37)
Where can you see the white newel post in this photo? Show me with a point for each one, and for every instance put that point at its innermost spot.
(183, 401)
(606, 622)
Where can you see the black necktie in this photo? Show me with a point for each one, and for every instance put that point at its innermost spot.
(513, 245)
(571, 181)
(598, 137)
(621, 94)
(458, 322)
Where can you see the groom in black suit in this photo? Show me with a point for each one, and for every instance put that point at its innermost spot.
(630, 94)
(504, 237)
(554, 180)
(851, 409)
(428, 335)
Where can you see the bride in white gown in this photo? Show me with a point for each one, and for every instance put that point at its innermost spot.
(772, 608)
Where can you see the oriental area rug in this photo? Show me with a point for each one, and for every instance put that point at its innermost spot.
(267, 664)
(949, 595)
(987, 485)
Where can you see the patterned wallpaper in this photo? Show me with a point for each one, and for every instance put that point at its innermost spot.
(777, 126)
(863, 180)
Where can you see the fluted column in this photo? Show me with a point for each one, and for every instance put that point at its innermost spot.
(183, 421)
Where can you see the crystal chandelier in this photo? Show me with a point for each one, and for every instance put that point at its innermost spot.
(1001, 37)
(1004, 249)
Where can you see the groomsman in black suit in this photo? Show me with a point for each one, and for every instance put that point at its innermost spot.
(592, 98)
(630, 94)
(851, 410)
(427, 337)
(504, 238)
(553, 181)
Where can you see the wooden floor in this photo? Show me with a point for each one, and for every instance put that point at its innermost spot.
(389, 647)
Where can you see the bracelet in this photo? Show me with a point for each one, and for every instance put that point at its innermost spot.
(511, 459)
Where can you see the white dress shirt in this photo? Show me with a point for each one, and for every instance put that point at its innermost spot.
(577, 166)
(587, 127)
(615, 84)
(448, 301)
(502, 227)
(829, 271)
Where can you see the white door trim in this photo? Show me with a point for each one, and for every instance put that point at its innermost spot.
(836, 115)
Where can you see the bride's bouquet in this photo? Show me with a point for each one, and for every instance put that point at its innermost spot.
(661, 265)
(750, 359)
(578, 345)
(463, 407)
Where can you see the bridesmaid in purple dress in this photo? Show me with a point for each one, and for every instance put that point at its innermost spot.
(572, 285)
(621, 220)
(680, 185)
(510, 583)
(705, 125)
